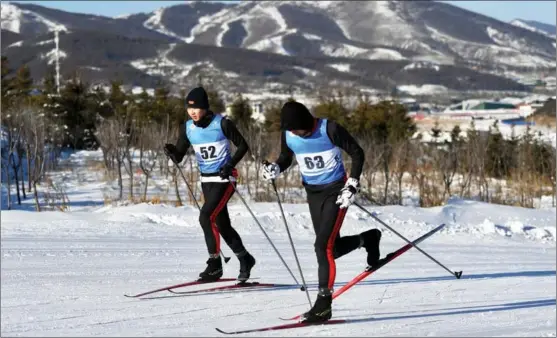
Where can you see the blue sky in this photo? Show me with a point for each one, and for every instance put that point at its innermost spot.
(543, 11)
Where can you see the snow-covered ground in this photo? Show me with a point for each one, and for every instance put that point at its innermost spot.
(65, 274)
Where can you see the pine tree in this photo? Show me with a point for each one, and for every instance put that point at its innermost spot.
(495, 149)
(49, 81)
(216, 104)
(272, 116)
(436, 131)
(6, 84)
(241, 113)
(455, 134)
(78, 114)
(333, 108)
(360, 120)
(22, 83)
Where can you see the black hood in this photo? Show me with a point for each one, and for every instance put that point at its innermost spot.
(295, 116)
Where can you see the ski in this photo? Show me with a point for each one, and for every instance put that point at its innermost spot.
(283, 326)
(247, 285)
(166, 288)
(382, 262)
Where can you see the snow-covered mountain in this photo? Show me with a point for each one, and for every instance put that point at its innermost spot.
(386, 30)
(375, 44)
(536, 26)
(392, 30)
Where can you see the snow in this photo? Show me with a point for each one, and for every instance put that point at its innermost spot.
(122, 16)
(65, 273)
(154, 23)
(274, 14)
(12, 18)
(311, 36)
(426, 89)
(273, 45)
(16, 44)
(51, 55)
(524, 25)
(385, 54)
(45, 42)
(418, 65)
(93, 68)
(341, 67)
(306, 71)
(504, 53)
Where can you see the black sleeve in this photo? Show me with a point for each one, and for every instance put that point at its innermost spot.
(284, 160)
(183, 144)
(342, 139)
(231, 132)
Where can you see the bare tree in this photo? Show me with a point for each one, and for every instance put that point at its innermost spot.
(151, 137)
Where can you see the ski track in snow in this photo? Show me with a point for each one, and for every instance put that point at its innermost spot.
(65, 274)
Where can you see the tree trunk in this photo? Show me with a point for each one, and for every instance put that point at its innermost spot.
(9, 188)
(120, 181)
(28, 152)
(130, 165)
(400, 188)
(36, 194)
(22, 180)
(145, 189)
(16, 177)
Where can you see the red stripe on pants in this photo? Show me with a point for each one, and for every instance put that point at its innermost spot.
(331, 245)
(216, 212)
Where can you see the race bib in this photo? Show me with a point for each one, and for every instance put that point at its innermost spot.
(315, 164)
(207, 153)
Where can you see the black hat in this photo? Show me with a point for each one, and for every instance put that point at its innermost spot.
(197, 98)
(295, 116)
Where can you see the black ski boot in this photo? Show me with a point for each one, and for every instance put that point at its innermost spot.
(213, 272)
(322, 309)
(246, 264)
(371, 239)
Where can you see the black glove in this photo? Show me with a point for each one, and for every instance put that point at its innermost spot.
(226, 171)
(170, 151)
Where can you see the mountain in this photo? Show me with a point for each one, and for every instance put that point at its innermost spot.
(536, 26)
(279, 44)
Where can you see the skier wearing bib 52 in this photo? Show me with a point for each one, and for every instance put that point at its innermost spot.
(317, 145)
(210, 135)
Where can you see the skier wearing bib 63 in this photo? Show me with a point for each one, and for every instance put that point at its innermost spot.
(210, 135)
(317, 145)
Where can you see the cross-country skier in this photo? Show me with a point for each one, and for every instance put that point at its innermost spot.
(317, 145)
(210, 135)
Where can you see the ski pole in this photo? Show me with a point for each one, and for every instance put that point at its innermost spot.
(291, 242)
(226, 259)
(457, 274)
(265, 233)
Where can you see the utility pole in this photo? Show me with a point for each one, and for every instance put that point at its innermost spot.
(56, 30)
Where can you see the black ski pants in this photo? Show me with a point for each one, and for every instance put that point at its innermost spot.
(214, 218)
(327, 220)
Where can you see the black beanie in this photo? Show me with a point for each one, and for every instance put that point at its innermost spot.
(197, 98)
(295, 116)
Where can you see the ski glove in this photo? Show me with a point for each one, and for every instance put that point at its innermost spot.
(348, 193)
(226, 171)
(170, 151)
(270, 171)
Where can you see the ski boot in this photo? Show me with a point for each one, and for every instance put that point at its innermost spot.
(322, 309)
(371, 239)
(246, 264)
(213, 272)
